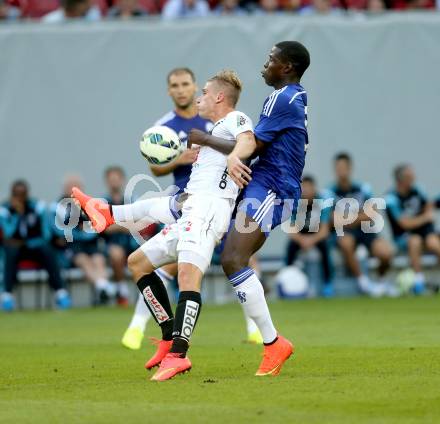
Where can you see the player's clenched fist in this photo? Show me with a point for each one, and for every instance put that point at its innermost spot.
(238, 171)
(197, 137)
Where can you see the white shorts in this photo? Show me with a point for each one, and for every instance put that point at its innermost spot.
(193, 237)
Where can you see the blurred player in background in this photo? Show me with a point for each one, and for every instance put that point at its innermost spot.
(412, 221)
(119, 242)
(26, 232)
(84, 251)
(346, 188)
(315, 222)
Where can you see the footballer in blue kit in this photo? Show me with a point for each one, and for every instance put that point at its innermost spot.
(270, 189)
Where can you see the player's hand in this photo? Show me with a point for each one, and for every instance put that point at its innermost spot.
(196, 137)
(238, 171)
(188, 156)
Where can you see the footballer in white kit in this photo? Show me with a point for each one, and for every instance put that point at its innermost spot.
(207, 211)
(190, 238)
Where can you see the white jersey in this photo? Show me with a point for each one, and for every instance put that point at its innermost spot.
(209, 172)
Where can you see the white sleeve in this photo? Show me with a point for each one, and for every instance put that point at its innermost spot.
(237, 123)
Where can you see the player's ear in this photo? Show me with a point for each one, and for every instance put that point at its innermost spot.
(220, 97)
(289, 68)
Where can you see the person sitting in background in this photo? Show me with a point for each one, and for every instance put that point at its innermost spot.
(118, 239)
(229, 7)
(378, 247)
(175, 9)
(375, 6)
(83, 250)
(267, 6)
(412, 221)
(314, 232)
(126, 9)
(8, 12)
(26, 233)
(319, 7)
(73, 9)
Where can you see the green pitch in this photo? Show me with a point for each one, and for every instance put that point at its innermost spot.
(357, 361)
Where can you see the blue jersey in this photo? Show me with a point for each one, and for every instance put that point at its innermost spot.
(182, 126)
(283, 129)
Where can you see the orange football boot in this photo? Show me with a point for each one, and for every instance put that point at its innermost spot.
(163, 347)
(274, 357)
(97, 210)
(170, 366)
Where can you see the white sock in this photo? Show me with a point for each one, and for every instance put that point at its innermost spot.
(250, 293)
(149, 211)
(142, 314)
(102, 284)
(250, 324)
(419, 278)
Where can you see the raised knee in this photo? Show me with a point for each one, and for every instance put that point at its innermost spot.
(133, 263)
(233, 262)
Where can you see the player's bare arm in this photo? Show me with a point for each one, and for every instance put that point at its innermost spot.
(245, 147)
(201, 138)
(187, 157)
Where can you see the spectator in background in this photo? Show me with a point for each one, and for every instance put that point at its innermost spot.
(8, 12)
(26, 233)
(126, 9)
(290, 5)
(412, 221)
(314, 232)
(345, 188)
(376, 6)
(118, 239)
(73, 9)
(175, 9)
(268, 6)
(319, 7)
(229, 7)
(83, 251)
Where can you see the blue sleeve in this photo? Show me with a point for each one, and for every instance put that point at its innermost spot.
(274, 119)
(393, 207)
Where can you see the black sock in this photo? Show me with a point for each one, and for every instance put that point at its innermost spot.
(156, 298)
(187, 313)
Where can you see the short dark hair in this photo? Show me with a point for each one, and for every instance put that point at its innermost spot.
(399, 170)
(343, 156)
(295, 53)
(71, 4)
(19, 183)
(114, 168)
(178, 71)
(309, 179)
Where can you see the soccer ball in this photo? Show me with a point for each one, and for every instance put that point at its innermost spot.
(292, 283)
(159, 145)
(405, 281)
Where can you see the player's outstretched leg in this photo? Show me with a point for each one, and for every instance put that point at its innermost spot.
(235, 258)
(156, 298)
(134, 334)
(187, 313)
(164, 210)
(98, 211)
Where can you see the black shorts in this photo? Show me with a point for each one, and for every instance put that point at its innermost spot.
(361, 237)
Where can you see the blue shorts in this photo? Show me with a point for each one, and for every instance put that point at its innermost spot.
(265, 207)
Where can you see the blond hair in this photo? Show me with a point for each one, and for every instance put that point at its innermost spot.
(229, 80)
